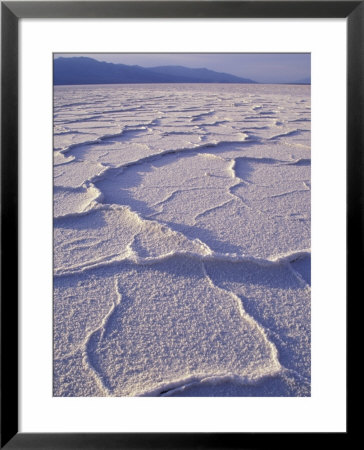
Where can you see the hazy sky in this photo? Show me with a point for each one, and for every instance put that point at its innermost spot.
(261, 67)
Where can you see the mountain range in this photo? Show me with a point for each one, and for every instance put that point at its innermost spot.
(84, 70)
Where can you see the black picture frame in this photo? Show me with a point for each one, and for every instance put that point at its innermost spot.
(11, 12)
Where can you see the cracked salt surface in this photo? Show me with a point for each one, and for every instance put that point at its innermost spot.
(182, 240)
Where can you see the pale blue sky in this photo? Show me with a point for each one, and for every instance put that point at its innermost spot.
(261, 67)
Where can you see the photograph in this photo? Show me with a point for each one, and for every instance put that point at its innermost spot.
(181, 224)
(167, 169)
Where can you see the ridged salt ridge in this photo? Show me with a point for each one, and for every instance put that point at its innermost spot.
(99, 139)
(194, 148)
(104, 174)
(152, 158)
(104, 137)
(288, 134)
(149, 158)
(87, 360)
(172, 387)
(191, 150)
(102, 207)
(244, 315)
(132, 257)
(63, 163)
(93, 205)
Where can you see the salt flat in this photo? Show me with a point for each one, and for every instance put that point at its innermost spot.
(182, 240)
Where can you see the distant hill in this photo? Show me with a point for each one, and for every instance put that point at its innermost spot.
(202, 75)
(84, 70)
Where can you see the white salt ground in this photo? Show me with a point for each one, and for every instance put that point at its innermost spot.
(182, 240)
